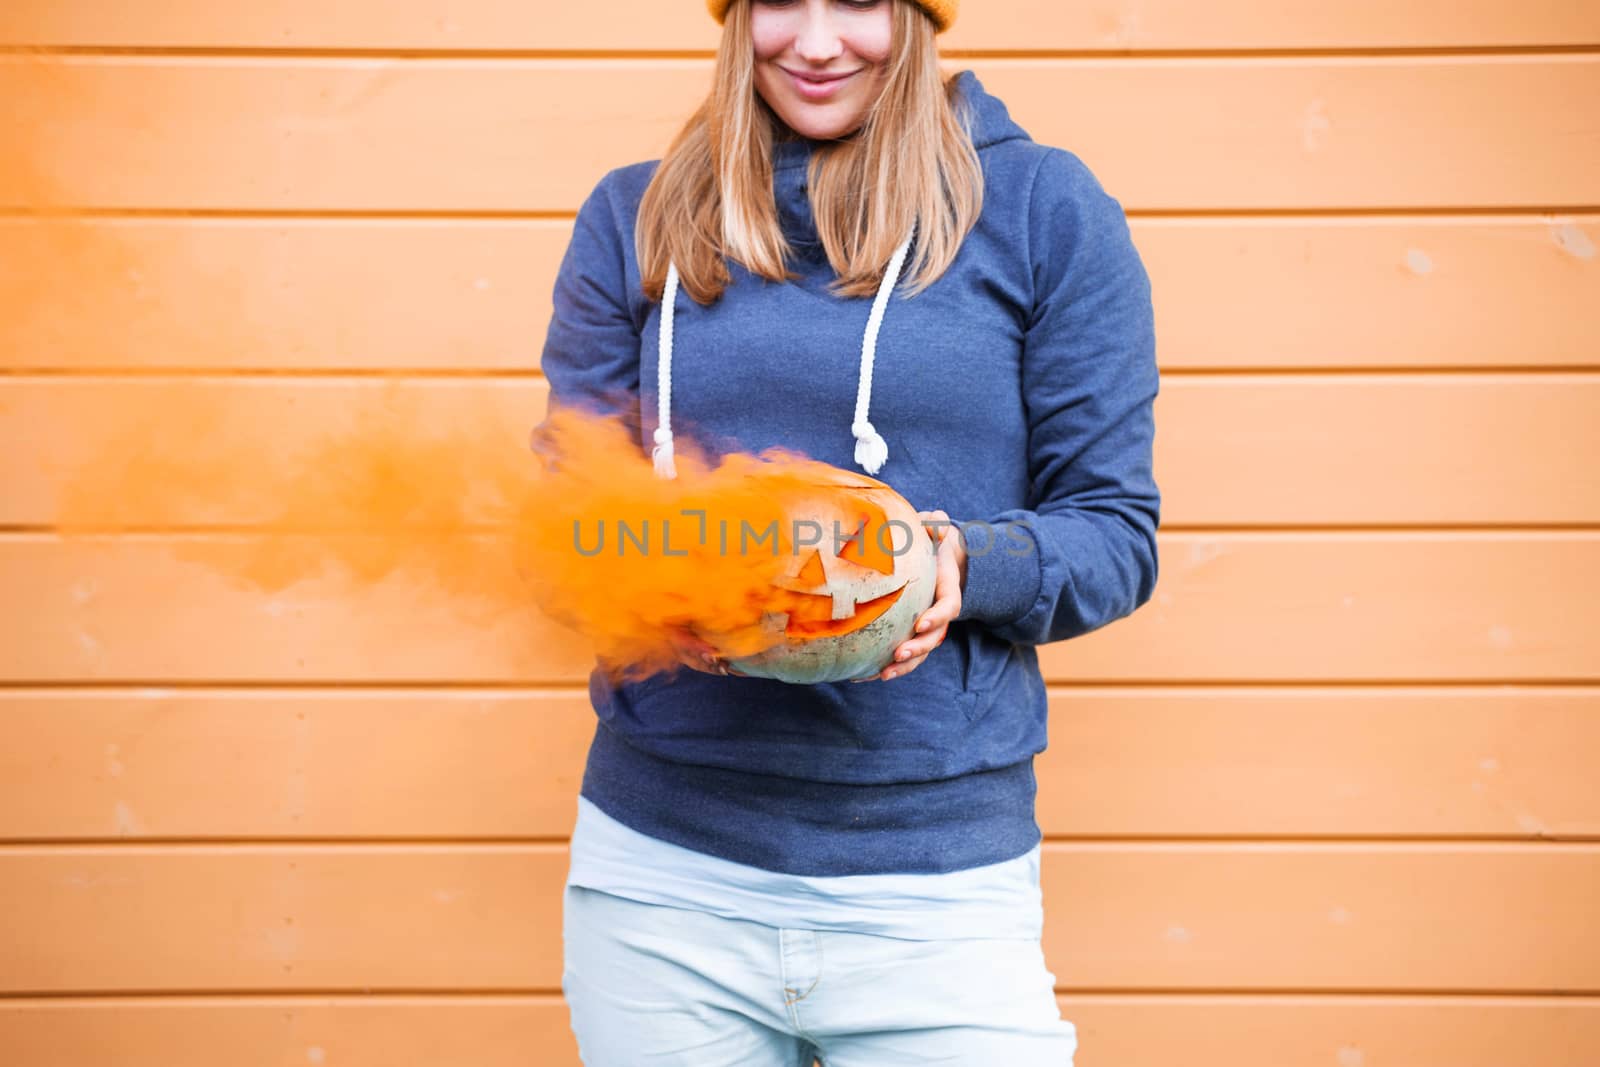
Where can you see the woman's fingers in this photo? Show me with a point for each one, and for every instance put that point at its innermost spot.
(948, 556)
(896, 669)
(933, 625)
(948, 590)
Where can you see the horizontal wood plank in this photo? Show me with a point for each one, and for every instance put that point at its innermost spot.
(1258, 607)
(510, 1030)
(471, 764)
(326, 294)
(1231, 450)
(1352, 917)
(115, 132)
(457, 294)
(1032, 25)
(362, 1030)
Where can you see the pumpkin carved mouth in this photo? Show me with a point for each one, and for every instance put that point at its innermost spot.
(839, 592)
(867, 612)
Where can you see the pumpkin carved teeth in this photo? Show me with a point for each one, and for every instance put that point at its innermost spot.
(861, 615)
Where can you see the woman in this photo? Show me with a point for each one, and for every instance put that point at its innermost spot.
(880, 269)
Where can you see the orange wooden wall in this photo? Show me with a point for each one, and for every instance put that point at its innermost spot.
(1331, 798)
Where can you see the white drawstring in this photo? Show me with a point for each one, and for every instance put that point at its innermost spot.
(662, 453)
(871, 449)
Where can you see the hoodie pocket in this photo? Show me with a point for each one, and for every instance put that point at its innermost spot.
(984, 659)
(960, 639)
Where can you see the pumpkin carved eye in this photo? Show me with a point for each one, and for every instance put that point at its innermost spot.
(867, 544)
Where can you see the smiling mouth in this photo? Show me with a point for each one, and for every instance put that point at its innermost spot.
(815, 79)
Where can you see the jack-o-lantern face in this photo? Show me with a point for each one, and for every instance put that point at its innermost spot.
(843, 604)
(843, 586)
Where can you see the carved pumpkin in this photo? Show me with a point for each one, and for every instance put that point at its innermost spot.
(842, 606)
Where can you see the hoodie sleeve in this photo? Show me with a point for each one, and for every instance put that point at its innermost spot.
(591, 351)
(1084, 553)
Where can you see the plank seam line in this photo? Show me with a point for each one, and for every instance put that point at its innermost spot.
(401, 375)
(707, 55)
(1534, 213)
(1484, 844)
(576, 685)
(136, 533)
(367, 994)
(577, 688)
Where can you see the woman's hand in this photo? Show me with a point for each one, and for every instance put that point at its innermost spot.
(933, 624)
(697, 653)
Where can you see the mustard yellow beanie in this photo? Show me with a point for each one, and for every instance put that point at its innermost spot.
(943, 11)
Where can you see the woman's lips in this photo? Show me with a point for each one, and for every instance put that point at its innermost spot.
(818, 90)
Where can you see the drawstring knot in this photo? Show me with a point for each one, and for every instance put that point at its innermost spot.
(871, 449)
(661, 455)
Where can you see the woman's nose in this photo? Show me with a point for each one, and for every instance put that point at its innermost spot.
(818, 40)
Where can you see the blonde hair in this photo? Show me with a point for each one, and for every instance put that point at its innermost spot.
(913, 155)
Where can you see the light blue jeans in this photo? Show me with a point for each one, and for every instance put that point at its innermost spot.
(655, 986)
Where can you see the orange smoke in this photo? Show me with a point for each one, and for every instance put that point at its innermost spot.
(583, 532)
(126, 384)
(619, 554)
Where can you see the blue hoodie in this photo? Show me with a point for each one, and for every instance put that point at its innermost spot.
(1016, 390)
